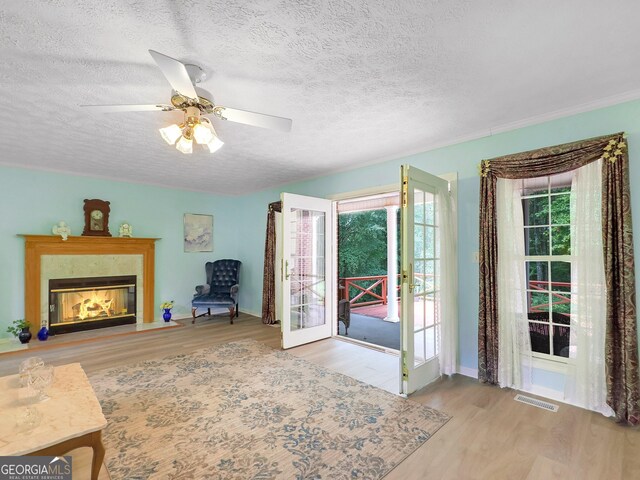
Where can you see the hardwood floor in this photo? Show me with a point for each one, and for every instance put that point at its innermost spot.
(490, 436)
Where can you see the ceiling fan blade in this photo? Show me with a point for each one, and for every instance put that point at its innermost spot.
(129, 108)
(176, 73)
(252, 118)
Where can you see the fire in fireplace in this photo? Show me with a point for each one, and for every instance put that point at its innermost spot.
(95, 302)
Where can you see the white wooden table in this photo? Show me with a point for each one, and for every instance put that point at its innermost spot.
(69, 419)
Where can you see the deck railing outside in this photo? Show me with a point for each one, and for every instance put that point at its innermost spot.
(376, 286)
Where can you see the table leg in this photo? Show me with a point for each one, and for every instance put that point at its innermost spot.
(93, 440)
(98, 454)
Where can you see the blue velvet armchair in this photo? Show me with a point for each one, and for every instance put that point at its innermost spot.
(221, 289)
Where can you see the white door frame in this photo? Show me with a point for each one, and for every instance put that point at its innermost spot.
(292, 338)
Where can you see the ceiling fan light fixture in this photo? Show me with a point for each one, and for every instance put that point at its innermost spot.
(171, 133)
(202, 134)
(185, 145)
(215, 144)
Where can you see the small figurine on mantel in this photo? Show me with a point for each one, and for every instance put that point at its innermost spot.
(61, 229)
(126, 230)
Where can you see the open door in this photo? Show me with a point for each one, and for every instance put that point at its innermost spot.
(422, 215)
(307, 302)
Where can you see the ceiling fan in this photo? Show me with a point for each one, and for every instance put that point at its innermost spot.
(195, 105)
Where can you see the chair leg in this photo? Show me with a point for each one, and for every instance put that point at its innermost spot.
(232, 312)
(237, 309)
(193, 312)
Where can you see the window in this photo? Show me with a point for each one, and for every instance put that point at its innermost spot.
(547, 238)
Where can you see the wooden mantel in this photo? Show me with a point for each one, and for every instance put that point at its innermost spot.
(38, 245)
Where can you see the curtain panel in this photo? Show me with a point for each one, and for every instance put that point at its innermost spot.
(269, 276)
(621, 347)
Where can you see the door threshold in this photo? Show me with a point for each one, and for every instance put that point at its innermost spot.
(371, 346)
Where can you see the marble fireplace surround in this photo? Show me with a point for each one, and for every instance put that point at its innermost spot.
(48, 257)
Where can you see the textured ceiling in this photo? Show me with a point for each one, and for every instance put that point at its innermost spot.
(362, 80)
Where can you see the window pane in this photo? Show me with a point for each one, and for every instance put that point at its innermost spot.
(539, 334)
(536, 241)
(538, 308)
(538, 275)
(561, 276)
(561, 240)
(535, 211)
(561, 308)
(561, 341)
(560, 209)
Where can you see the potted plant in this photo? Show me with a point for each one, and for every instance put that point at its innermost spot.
(20, 329)
(167, 306)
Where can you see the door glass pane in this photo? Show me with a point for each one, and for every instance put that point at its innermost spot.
(418, 242)
(419, 348)
(429, 208)
(418, 207)
(305, 268)
(429, 275)
(430, 336)
(419, 307)
(430, 241)
(424, 243)
(430, 309)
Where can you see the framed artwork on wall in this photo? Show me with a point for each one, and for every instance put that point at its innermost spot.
(198, 233)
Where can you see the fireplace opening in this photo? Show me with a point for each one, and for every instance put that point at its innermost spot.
(77, 304)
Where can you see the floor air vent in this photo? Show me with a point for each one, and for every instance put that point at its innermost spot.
(537, 403)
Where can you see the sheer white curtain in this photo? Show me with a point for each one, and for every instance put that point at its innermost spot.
(585, 382)
(448, 338)
(514, 356)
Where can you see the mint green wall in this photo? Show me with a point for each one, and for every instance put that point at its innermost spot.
(462, 158)
(33, 201)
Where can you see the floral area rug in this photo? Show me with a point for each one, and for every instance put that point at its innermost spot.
(242, 410)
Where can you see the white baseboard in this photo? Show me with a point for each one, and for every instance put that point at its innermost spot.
(546, 393)
(468, 372)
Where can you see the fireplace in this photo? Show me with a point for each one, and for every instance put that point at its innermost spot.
(94, 302)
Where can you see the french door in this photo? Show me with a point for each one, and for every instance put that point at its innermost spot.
(421, 266)
(306, 270)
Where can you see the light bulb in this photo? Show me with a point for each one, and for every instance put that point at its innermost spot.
(171, 133)
(215, 144)
(185, 145)
(202, 134)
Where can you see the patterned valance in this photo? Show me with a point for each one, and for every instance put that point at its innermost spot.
(554, 160)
